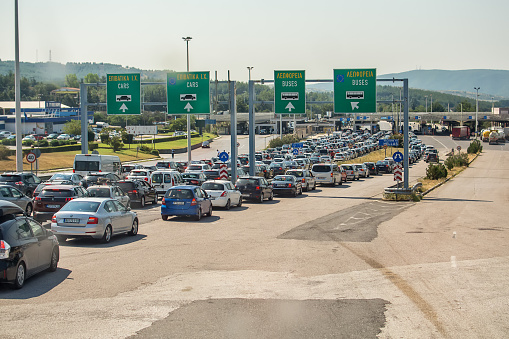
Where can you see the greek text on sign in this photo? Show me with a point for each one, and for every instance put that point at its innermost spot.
(289, 92)
(123, 94)
(184, 88)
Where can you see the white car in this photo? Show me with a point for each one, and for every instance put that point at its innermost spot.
(197, 168)
(64, 137)
(29, 137)
(222, 193)
(140, 174)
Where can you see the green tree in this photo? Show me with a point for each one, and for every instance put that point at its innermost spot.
(72, 127)
(71, 80)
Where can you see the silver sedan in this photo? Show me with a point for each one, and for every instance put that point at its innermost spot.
(98, 218)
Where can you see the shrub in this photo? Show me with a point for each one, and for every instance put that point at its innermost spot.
(54, 143)
(155, 152)
(474, 147)
(399, 137)
(4, 152)
(115, 143)
(27, 143)
(105, 138)
(145, 149)
(92, 146)
(42, 143)
(457, 160)
(9, 142)
(436, 171)
(287, 139)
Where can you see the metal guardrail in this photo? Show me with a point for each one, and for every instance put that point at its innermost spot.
(401, 190)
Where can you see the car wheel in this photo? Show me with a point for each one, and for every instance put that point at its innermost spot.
(314, 186)
(240, 202)
(107, 235)
(19, 280)
(307, 187)
(210, 211)
(154, 202)
(54, 261)
(300, 191)
(296, 193)
(29, 209)
(164, 217)
(134, 228)
(198, 216)
(61, 238)
(142, 201)
(261, 198)
(228, 205)
(271, 196)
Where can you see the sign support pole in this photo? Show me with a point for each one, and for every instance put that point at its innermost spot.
(233, 128)
(405, 134)
(252, 146)
(84, 117)
(281, 126)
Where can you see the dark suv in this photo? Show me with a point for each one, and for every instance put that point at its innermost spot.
(51, 199)
(25, 182)
(139, 191)
(26, 248)
(100, 178)
(255, 188)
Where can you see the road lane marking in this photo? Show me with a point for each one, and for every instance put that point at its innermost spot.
(453, 261)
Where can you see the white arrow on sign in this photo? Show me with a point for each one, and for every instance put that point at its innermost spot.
(188, 107)
(289, 106)
(123, 108)
(354, 105)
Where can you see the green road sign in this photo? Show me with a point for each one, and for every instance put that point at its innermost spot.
(123, 93)
(355, 90)
(188, 93)
(289, 92)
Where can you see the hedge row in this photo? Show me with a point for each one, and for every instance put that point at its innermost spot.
(49, 149)
(164, 139)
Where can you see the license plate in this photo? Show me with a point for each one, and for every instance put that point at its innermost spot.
(321, 178)
(52, 206)
(72, 220)
(178, 203)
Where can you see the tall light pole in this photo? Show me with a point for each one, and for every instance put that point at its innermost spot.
(186, 39)
(476, 107)
(249, 68)
(492, 106)
(17, 93)
(426, 103)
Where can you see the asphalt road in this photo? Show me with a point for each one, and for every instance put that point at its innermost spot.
(336, 262)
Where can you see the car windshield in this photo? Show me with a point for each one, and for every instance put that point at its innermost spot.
(10, 178)
(179, 194)
(55, 192)
(81, 206)
(60, 176)
(283, 178)
(212, 186)
(99, 192)
(322, 168)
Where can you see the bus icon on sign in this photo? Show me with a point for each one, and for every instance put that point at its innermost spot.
(290, 96)
(355, 94)
(188, 97)
(123, 98)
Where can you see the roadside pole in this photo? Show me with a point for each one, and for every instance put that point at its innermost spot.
(252, 146)
(233, 127)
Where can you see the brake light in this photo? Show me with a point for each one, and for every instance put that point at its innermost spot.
(257, 188)
(193, 202)
(303, 180)
(331, 175)
(68, 199)
(163, 201)
(37, 198)
(224, 194)
(54, 219)
(133, 192)
(146, 179)
(5, 249)
(73, 170)
(18, 183)
(289, 185)
(93, 220)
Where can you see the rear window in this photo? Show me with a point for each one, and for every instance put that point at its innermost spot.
(297, 174)
(247, 182)
(126, 186)
(59, 176)
(127, 168)
(179, 194)
(322, 168)
(102, 192)
(348, 167)
(57, 193)
(90, 166)
(190, 175)
(194, 168)
(212, 186)
(10, 178)
(81, 206)
(157, 178)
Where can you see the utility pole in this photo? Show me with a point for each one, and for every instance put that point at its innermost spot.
(17, 93)
(476, 107)
(187, 39)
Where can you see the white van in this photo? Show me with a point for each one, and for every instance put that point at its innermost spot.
(87, 163)
(164, 179)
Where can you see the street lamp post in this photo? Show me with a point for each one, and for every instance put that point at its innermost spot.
(249, 68)
(476, 107)
(426, 103)
(187, 39)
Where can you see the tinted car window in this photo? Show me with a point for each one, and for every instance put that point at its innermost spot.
(213, 186)
(102, 192)
(321, 168)
(126, 186)
(81, 206)
(57, 193)
(23, 229)
(90, 166)
(179, 194)
(247, 182)
(10, 178)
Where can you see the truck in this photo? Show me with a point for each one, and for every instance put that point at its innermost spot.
(460, 132)
(485, 135)
(84, 164)
(497, 137)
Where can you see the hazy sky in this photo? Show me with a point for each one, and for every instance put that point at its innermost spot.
(316, 36)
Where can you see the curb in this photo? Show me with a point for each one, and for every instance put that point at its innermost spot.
(446, 180)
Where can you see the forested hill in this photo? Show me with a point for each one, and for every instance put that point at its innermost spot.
(54, 72)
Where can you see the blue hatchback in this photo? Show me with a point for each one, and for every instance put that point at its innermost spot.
(186, 200)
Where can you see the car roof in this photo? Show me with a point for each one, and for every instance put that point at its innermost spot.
(7, 207)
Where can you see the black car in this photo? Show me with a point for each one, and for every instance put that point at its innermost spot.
(100, 178)
(139, 191)
(167, 165)
(26, 248)
(383, 166)
(212, 174)
(25, 182)
(255, 188)
(194, 178)
(372, 168)
(287, 184)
